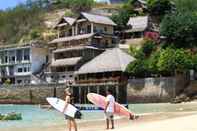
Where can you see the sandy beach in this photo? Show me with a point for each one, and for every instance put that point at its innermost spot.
(181, 121)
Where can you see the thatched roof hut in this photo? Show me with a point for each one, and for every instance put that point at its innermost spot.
(111, 60)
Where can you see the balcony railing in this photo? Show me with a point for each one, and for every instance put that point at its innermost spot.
(103, 80)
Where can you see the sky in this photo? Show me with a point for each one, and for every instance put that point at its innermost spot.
(4, 4)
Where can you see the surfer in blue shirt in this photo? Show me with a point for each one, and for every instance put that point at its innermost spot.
(71, 121)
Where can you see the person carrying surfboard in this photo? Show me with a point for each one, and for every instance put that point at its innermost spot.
(71, 120)
(109, 109)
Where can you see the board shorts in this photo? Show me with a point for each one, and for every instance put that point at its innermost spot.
(68, 117)
(109, 115)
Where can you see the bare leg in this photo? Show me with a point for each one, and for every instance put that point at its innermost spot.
(107, 123)
(112, 122)
(74, 124)
(69, 125)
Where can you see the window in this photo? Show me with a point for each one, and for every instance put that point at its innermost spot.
(28, 69)
(63, 76)
(20, 70)
(19, 55)
(89, 29)
(105, 29)
(13, 58)
(25, 69)
(27, 54)
(95, 30)
(70, 32)
(6, 59)
(19, 81)
(26, 81)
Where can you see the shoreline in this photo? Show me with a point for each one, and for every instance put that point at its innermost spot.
(122, 124)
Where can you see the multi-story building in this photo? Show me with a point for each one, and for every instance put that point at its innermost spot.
(20, 64)
(79, 40)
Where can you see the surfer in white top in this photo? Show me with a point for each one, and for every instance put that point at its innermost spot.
(109, 109)
(71, 121)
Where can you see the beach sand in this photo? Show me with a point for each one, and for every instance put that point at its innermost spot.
(180, 121)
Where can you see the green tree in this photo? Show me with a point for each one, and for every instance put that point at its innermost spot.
(174, 60)
(183, 60)
(166, 62)
(159, 7)
(194, 60)
(148, 47)
(152, 62)
(180, 29)
(80, 5)
(137, 68)
(19, 21)
(124, 14)
(186, 6)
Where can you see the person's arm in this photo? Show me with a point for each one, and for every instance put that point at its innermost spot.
(107, 104)
(114, 106)
(66, 103)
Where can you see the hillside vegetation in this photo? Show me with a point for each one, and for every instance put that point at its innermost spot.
(176, 52)
(33, 19)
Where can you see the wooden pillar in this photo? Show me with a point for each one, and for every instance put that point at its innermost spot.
(76, 29)
(92, 27)
(117, 93)
(97, 90)
(80, 95)
(58, 33)
(73, 30)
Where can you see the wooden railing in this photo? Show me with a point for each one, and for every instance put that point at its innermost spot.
(103, 80)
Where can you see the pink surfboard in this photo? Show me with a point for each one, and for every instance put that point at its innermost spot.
(100, 101)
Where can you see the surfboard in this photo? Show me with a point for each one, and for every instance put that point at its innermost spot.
(100, 101)
(59, 105)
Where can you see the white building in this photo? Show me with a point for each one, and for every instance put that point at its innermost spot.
(20, 64)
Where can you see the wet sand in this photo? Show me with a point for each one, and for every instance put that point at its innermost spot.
(181, 121)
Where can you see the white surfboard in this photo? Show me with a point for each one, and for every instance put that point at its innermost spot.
(59, 105)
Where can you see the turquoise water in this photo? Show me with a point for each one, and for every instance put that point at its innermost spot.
(33, 116)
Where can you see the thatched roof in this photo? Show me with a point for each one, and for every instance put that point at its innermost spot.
(66, 62)
(138, 24)
(71, 38)
(65, 21)
(98, 19)
(111, 60)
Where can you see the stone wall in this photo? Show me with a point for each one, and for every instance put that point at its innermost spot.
(30, 94)
(149, 90)
(137, 90)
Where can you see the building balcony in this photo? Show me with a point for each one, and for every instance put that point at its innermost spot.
(22, 73)
(112, 80)
(60, 77)
(15, 63)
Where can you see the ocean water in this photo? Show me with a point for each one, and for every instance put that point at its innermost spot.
(34, 116)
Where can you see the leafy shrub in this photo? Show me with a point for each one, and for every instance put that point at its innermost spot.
(148, 47)
(180, 29)
(11, 116)
(137, 68)
(174, 60)
(159, 7)
(152, 62)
